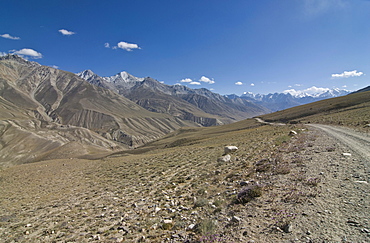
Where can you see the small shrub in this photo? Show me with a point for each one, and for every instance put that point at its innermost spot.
(282, 169)
(263, 165)
(313, 181)
(217, 210)
(202, 191)
(281, 140)
(218, 202)
(283, 218)
(200, 202)
(297, 160)
(167, 226)
(330, 149)
(207, 226)
(263, 168)
(294, 196)
(247, 194)
(180, 225)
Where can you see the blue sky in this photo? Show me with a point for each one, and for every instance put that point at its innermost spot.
(228, 46)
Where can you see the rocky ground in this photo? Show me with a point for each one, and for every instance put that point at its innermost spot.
(306, 187)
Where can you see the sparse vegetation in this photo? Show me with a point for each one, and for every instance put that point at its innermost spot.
(206, 227)
(179, 194)
(247, 194)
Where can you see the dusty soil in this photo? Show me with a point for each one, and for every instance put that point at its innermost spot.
(340, 157)
(314, 188)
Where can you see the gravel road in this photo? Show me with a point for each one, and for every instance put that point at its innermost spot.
(340, 158)
(358, 142)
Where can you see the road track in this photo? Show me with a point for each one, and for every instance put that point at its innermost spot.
(356, 141)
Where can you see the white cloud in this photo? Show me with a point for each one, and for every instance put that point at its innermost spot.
(106, 45)
(55, 66)
(7, 36)
(206, 80)
(252, 84)
(347, 74)
(66, 32)
(28, 52)
(194, 83)
(186, 80)
(239, 83)
(126, 46)
(344, 86)
(298, 85)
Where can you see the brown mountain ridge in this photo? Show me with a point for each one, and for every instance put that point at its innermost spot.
(44, 109)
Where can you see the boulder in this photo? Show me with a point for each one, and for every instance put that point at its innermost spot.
(225, 158)
(230, 149)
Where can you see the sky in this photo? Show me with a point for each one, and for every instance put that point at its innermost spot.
(227, 46)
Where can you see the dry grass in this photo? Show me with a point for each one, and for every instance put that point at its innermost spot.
(161, 193)
(81, 200)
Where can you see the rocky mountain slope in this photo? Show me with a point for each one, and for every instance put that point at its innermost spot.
(289, 98)
(43, 110)
(197, 105)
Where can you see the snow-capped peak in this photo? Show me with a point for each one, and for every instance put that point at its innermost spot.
(315, 92)
(123, 77)
(87, 74)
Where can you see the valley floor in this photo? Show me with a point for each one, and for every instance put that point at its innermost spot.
(312, 188)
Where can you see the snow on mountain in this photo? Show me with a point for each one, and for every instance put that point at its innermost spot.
(292, 97)
(87, 74)
(123, 77)
(316, 92)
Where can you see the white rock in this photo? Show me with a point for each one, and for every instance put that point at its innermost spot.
(292, 133)
(363, 182)
(236, 219)
(347, 154)
(230, 149)
(191, 227)
(225, 158)
(167, 221)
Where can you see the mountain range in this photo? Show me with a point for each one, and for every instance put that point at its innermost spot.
(290, 98)
(196, 105)
(47, 113)
(56, 113)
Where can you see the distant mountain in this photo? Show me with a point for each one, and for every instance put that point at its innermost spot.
(197, 105)
(362, 90)
(49, 113)
(349, 110)
(290, 98)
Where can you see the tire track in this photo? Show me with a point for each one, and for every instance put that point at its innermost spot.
(358, 142)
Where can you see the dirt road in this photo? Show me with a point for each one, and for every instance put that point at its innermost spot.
(340, 158)
(358, 142)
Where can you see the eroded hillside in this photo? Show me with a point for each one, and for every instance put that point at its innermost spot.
(43, 105)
